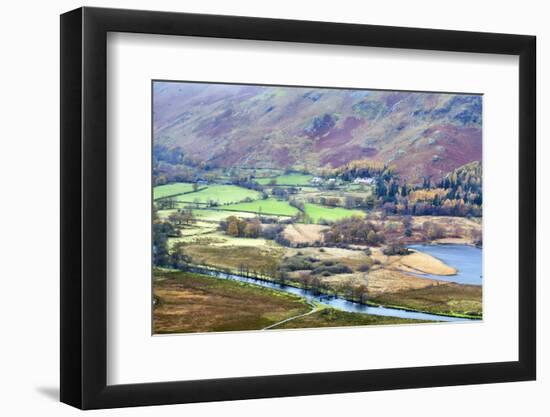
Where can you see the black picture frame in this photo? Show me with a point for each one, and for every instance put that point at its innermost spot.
(84, 207)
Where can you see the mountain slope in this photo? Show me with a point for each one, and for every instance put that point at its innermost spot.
(420, 134)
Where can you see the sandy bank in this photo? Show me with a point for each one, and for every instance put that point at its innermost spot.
(422, 263)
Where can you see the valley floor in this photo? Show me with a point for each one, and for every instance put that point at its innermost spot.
(416, 281)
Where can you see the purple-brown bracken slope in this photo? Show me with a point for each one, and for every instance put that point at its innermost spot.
(420, 134)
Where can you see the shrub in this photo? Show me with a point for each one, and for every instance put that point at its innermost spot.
(332, 270)
(298, 263)
(363, 268)
(396, 249)
(281, 240)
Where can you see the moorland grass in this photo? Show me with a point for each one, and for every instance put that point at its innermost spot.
(189, 303)
(449, 299)
(232, 256)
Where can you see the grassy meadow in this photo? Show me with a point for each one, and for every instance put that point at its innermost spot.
(171, 190)
(186, 302)
(269, 206)
(218, 194)
(318, 212)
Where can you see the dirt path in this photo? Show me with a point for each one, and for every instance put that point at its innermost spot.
(314, 310)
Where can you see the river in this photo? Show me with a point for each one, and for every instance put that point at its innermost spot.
(332, 301)
(466, 259)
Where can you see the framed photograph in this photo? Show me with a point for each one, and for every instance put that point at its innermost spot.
(258, 208)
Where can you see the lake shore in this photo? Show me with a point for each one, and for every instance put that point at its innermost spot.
(423, 263)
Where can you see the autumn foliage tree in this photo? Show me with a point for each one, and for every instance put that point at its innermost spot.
(233, 228)
(354, 230)
(237, 227)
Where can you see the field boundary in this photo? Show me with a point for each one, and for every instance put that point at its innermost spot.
(250, 211)
(178, 194)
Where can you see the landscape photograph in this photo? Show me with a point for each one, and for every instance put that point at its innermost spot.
(283, 207)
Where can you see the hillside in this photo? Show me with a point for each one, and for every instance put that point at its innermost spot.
(224, 126)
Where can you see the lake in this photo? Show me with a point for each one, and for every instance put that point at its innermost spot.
(465, 258)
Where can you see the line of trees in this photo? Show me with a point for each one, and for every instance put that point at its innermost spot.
(354, 230)
(458, 194)
(163, 229)
(358, 168)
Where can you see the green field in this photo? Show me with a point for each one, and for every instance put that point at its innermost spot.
(221, 194)
(290, 179)
(268, 206)
(331, 214)
(167, 190)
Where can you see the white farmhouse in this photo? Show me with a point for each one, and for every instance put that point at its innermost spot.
(365, 181)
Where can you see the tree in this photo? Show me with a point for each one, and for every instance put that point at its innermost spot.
(371, 237)
(436, 231)
(305, 278)
(178, 258)
(188, 217)
(349, 202)
(282, 277)
(175, 218)
(233, 228)
(426, 182)
(395, 248)
(160, 247)
(349, 291)
(161, 232)
(253, 228)
(315, 286)
(361, 293)
(167, 203)
(181, 217)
